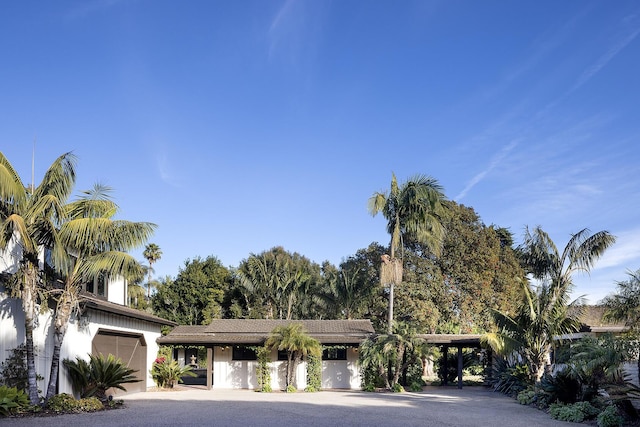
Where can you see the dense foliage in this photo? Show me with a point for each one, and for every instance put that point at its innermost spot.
(167, 373)
(196, 296)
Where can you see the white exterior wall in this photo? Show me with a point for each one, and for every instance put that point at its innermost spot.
(12, 334)
(241, 374)
(117, 291)
(79, 337)
(342, 373)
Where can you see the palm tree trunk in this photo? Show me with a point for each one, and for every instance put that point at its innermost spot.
(61, 323)
(30, 313)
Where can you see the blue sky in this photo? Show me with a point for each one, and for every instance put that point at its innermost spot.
(237, 126)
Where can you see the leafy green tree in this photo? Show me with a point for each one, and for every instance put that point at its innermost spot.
(544, 313)
(276, 284)
(293, 339)
(95, 248)
(196, 296)
(391, 354)
(152, 254)
(28, 218)
(624, 306)
(479, 269)
(411, 209)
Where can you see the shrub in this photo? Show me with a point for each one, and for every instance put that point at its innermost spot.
(397, 388)
(562, 387)
(13, 371)
(314, 373)
(65, 403)
(575, 413)
(369, 388)
(610, 417)
(508, 378)
(12, 400)
(526, 397)
(167, 374)
(416, 386)
(263, 371)
(291, 389)
(101, 373)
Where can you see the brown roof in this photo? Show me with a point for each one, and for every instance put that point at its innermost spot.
(453, 339)
(256, 331)
(90, 302)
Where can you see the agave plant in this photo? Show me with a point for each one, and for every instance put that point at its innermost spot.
(101, 373)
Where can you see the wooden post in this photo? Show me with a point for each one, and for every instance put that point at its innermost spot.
(460, 366)
(445, 354)
(209, 368)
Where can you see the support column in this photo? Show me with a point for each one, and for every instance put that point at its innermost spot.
(445, 360)
(460, 364)
(209, 368)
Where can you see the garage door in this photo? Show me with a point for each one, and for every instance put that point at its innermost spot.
(130, 348)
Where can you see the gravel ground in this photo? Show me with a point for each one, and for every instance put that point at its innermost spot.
(435, 406)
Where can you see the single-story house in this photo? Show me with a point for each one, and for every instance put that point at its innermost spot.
(104, 325)
(231, 362)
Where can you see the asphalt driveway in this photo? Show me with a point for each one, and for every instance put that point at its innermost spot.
(436, 406)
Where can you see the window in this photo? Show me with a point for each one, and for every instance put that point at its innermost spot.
(282, 355)
(98, 287)
(334, 353)
(243, 353)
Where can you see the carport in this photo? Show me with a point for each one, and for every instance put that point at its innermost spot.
(459, 341)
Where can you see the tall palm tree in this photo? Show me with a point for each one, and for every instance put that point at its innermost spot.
(95, 245)
(152, 253)
(29, 218)
(412, 209)
(546, 311)
(293, 339)
(624, 305)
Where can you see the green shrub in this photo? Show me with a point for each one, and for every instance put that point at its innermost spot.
(610, 417)
(397, 388)
(526, 397)
(65, 403)
(508, 378)
(314, 373)
(263, 370)
(167, 374)
(12, 400)
(13, 371)
(416, 386)
(562, 387)
(101, 373)
(291, 389)
(369, 388)
(575, 413)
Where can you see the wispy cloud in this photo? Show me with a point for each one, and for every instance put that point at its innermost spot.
(623, 252)
(621, 42)
(164, 167)
(495, 161)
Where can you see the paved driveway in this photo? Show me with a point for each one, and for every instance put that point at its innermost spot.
(436, 406)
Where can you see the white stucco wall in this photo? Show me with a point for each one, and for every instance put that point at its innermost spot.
(228, 373)
(77, 341)
(80, 335)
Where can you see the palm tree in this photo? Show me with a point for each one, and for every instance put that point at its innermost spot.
(389, 355)
(293, 339)
(152, 253)
(413, 210)
(29, 218)
(624, 305)
(95, 245)
(546, 311)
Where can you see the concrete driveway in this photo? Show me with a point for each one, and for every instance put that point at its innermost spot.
(436, 406)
